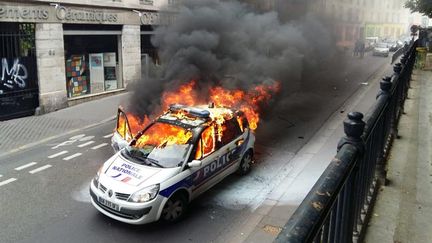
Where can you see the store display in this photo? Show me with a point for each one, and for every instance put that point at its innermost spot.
(76, 76)
(96, 73)
(110, 76)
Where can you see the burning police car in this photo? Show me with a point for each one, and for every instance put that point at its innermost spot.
(171, 161)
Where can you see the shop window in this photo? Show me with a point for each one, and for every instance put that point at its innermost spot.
(150, 62)
(92, 64)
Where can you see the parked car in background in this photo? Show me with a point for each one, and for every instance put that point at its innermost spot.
(381, 49)
(370, 43)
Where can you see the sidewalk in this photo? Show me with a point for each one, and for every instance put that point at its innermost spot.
(403, 210)
(18, 134)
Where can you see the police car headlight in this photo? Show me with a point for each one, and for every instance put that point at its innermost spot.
(96, 178)
(145, 194)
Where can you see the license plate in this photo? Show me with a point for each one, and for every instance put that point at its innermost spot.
(108, 204)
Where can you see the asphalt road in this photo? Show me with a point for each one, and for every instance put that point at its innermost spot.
(44, 189)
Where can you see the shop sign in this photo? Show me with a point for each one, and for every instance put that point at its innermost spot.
(63, 13)
(156, 18)
(57, 13)
(7, 12)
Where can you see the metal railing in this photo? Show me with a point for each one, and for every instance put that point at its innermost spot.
(337, 208)
(19, 92)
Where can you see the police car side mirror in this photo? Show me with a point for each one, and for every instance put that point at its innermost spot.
(195, 163)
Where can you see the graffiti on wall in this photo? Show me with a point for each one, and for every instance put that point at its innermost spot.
(19, 93)
(16, 74)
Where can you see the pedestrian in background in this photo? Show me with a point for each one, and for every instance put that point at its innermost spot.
(362, 47)
(356, 48)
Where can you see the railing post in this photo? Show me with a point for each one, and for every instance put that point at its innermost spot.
(404, 58)
(397, 68)
(401, 93)
(385, 87)
(353, 128)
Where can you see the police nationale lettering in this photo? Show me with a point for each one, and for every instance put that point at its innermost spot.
(128, 170)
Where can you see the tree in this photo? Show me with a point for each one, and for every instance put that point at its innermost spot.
(421, 6)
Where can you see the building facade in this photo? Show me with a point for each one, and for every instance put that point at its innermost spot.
(60, 52)
(357, 19)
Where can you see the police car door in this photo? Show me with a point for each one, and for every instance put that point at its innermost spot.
(230, 146)
(123, 130)
(205, 152)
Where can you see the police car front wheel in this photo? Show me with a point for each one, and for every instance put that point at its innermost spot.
(174, 208)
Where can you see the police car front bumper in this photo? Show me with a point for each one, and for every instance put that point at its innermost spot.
(127, 212)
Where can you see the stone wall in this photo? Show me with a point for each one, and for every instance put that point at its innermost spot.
(51, 67)
(131, 53)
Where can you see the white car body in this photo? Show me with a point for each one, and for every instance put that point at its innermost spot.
(381, 49)
(119, 178)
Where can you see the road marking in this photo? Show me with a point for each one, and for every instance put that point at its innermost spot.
(65, 143)
(72, 156)
(40, 169)
(25, 166)
(79, 136)
(99, 146)
(7, 181)
(109, 135)
(57, 154)
(85, 144)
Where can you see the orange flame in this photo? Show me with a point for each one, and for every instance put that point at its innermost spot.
(163, 134)
(185, 95)
(249, 102)
(133, 125)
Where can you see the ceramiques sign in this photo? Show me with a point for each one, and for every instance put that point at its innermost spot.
(11, 12)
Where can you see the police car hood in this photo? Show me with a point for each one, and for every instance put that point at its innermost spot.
(125, 175)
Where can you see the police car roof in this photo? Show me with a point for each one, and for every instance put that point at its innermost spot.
(194, 115)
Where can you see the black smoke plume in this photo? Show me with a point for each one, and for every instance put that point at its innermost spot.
(211, 40)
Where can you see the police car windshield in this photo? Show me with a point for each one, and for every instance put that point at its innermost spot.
(161, 144)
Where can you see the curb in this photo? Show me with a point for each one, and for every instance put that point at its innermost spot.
(27, 146)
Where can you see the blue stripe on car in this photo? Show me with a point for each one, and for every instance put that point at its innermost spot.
(201, 176)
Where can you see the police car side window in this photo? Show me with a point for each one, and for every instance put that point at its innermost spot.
(206, 144)
(231, 130)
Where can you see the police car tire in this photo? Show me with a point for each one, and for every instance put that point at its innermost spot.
(178, 202)
(246, 163)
